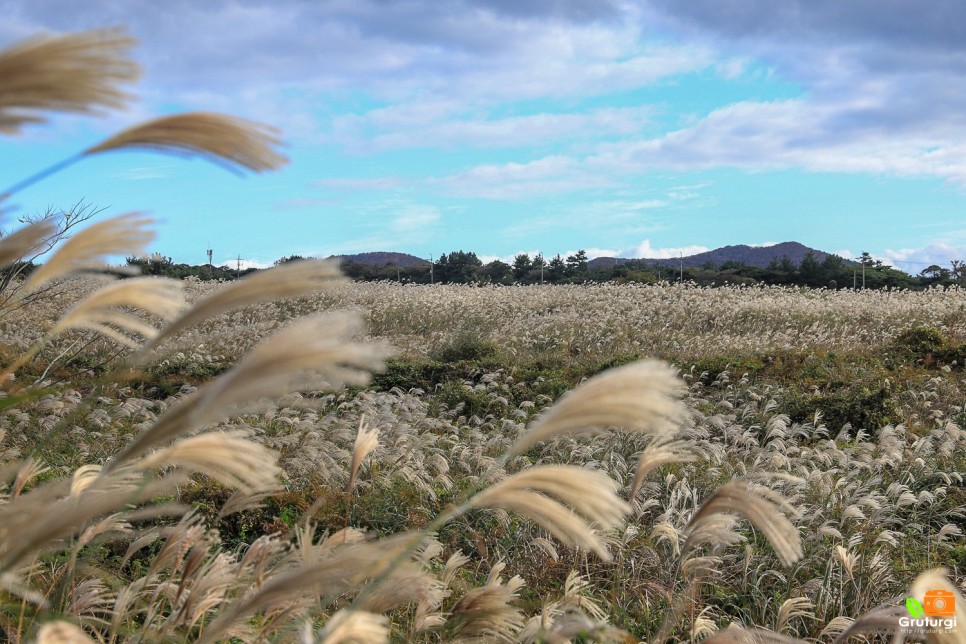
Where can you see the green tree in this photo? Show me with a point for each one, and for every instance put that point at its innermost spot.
(577, 263)
(459, 267)
(521, 266)
(497, 272)
(290, 258)
(556, 269)
(810, 270)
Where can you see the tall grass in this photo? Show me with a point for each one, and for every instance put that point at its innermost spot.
(407, 513)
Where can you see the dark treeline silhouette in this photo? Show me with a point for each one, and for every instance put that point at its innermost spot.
(832, 272)
(462, 267)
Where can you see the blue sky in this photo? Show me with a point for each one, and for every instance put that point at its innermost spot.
(640, 129)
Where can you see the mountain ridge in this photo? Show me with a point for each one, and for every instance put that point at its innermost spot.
(752, 255)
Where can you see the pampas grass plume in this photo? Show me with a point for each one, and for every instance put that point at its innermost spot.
(289, 280)
(641, 396)
(101, 311)
(123, 235)
(738, 498)
(231, 141)
(313, 353)
(68, 73)
(228, 457)
(563, 499)
(17, 245)
(353, 627)
(367, 439)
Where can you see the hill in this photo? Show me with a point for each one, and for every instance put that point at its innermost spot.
(383, 258)
(751, 255)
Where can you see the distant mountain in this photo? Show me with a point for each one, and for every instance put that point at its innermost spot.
(403, 260)
(751, 255)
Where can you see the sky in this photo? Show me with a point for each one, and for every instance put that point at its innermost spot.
(634, 129)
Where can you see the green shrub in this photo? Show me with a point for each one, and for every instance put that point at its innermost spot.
(918, 343)
(465, 346)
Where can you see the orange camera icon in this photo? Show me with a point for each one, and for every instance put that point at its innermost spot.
(939, 603)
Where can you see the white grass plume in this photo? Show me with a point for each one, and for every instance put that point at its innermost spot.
(230, 458)
(18, 244)
(123, 235)
(102, 312)
(314, 353)
(563, 499)
(642, 396)
(353, 627)
(937, 579)
(68, 73)
(231, 141)
(367, 439)
(293, 279)
(738, 498)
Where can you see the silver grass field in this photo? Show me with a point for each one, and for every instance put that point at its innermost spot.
(293, 457)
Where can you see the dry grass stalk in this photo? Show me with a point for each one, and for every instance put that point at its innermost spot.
(657, 453)
(312, 354)
(102, 312)
(39, 519)
(123, 235)
(563, 499)
(485, 614)
(233, 142)
(345, 569)
(352, 627)
(883, 620)
(230, 458)
(738, 498)
(640, 396)
(70, 73)
(736, 634)
(937, 579)
(61, 632)
(17, 245)
(367, 439)
(293, 279)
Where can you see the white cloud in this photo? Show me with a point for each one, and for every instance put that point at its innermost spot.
(393, 225)
(548, 175)
(593, 253)
(914, 260)
(360, 183)
(419, 125)
(414, 219)
(233, 263)
(644, 250)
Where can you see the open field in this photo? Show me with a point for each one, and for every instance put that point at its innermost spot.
(836, 411)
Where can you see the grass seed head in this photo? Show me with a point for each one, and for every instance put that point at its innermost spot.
(234, 142)
(78, 72)
(642, 396)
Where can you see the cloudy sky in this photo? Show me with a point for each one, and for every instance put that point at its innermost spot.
(503, 126)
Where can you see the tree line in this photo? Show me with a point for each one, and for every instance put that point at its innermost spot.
(463, 267)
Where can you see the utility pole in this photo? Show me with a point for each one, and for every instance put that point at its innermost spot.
(431, 270)
(682, 266)
(238, 267)
(210, 272)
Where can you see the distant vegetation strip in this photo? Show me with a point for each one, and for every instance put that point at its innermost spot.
(815, 269)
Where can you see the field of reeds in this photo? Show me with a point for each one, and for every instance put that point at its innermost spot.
(745, 506)
(293, 457)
